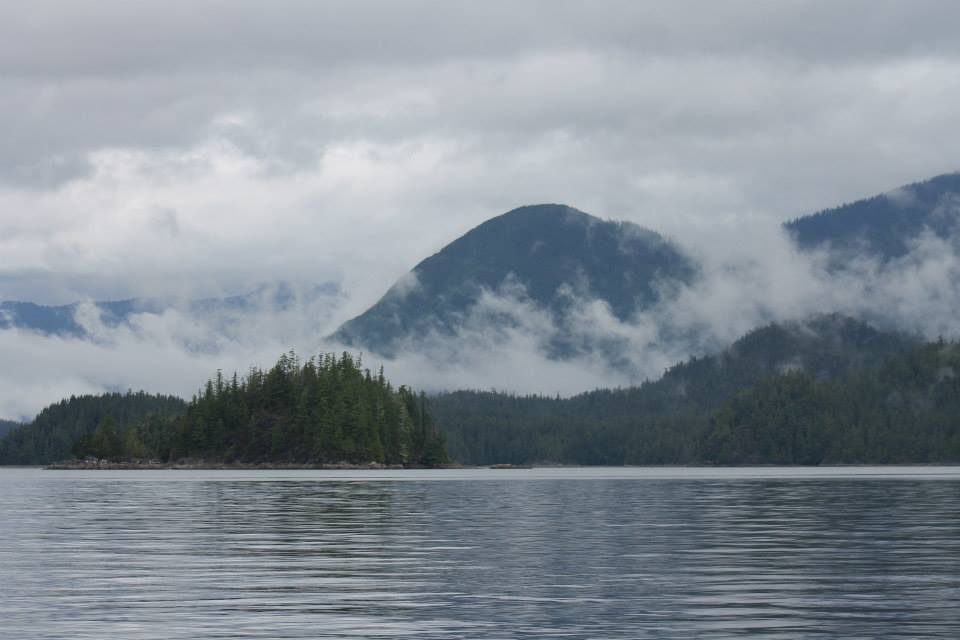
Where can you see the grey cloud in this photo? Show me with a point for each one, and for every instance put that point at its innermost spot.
(197, 148)
(760, 278)
(124, 37)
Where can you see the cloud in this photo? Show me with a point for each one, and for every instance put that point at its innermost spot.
(170, 352)
(302, 140)
(194, 149)
(747, 279)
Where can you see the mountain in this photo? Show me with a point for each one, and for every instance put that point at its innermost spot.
(543, 255)
(884, 226)
(662, 421)
(553, 256)
(62, 320)
(65, 320)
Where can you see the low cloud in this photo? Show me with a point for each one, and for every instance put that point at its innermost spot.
(505, 340)
(192, 149)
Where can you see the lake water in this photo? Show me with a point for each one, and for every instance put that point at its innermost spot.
(544, 553)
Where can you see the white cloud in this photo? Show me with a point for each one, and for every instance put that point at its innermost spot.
(200, 148)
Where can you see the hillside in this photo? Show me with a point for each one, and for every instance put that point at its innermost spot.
(884, 225)
(546, 250)
(661, 421)
(906, 410)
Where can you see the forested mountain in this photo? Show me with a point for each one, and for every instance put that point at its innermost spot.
(884, 226)
(554, 251)
(549, 256)
(547, 250)
(62, 320)
(52, 434)
(663, 421)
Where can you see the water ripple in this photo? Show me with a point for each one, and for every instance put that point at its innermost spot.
(570, 555)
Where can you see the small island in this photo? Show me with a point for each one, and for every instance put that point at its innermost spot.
(326, 412)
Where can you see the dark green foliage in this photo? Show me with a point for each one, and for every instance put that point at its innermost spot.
(883, 226)
(325, 410)
(105, 443)
(56, 430)
(6, 426)
(544, 248)
(658, 422)
(907, 410)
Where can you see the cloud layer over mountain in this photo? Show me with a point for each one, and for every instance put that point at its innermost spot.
(198, 148)
(747, 278)
(158, 146)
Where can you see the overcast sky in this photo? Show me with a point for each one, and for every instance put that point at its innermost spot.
(201, 147)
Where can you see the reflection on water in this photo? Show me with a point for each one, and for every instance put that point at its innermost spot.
(485, 555)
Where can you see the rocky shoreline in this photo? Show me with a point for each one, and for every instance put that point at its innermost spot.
(93, 464)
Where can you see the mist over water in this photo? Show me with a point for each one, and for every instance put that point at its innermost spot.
(584, 553)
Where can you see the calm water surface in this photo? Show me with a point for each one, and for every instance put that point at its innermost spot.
(587, 553)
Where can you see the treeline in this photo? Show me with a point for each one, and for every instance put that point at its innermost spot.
(6, 426)
(55, 431)
(828, 390)
(867, 396)
(328, 409)
(907, 410)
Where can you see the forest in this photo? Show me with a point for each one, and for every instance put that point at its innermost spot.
(907, 410)
(325, 410)
(828, 390)
(53, 433)
(6, 426)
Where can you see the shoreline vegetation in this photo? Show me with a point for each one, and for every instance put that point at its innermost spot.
(201, 465)
(827, 391)
(198, 465)
(326, 412)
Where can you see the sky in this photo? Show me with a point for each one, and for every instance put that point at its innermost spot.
(200, 148)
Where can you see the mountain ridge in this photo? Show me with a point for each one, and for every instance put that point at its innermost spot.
(61, 320)
(662, 420)
(542, 249)
(884, 225)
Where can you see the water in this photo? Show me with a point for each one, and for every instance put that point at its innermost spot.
(588, 553)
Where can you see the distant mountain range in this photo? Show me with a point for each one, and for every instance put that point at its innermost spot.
(545, 259)
(828, 388)
(547, 255)
(63, 320)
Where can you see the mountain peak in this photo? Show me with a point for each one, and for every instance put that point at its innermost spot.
(545, 249)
